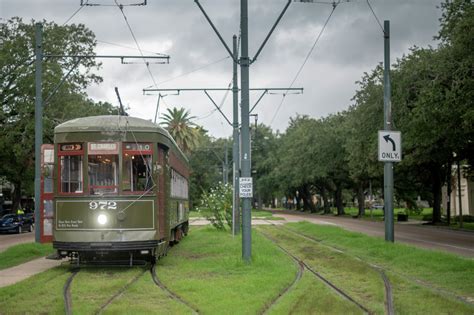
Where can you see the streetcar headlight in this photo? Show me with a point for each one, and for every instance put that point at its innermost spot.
(102, 219)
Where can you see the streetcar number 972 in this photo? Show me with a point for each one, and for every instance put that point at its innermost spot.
(103, 205)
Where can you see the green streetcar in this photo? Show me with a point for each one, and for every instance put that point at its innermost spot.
(121, 191)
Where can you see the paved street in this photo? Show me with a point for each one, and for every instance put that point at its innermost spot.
(457, 242)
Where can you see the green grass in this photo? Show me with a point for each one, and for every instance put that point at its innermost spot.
(364, 283)
(41, 293)
(440, 269)
(360, 281)
(22, 253)
(377, 214)
(267, 215)
(311, 296)
(207, 270)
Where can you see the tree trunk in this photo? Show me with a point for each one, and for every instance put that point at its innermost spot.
(361, 199)
(324, 195)
(338, 197)
(16, 197)
(436, 177)
(298, 199)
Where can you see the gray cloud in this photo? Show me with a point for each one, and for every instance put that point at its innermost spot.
(351, 44)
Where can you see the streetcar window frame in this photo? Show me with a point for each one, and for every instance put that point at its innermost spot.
(111, 156)
(133, 151)
(61, 154)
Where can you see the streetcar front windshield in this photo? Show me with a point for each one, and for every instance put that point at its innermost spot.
(103, 168)
(103, 174)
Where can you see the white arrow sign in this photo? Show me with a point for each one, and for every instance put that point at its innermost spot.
(390, 146)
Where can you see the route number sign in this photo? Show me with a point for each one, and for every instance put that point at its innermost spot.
(245, 187)
(390, 146)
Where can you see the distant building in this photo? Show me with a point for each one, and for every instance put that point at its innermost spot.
(467, 194)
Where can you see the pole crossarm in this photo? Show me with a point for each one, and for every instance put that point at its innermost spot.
(220, 89)
(266, 91)
(218, 108)
(121, 57)
(216, 31)
(271, 31)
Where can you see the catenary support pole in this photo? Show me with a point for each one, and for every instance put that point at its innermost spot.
(245, 162)
(38, 126)
(235, 137)
(388, 166)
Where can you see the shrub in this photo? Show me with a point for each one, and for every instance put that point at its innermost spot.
(218, 201)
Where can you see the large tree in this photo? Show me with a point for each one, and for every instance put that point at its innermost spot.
(17, 91)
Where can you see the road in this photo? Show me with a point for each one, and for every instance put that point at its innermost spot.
(429, 237)
(7, 240)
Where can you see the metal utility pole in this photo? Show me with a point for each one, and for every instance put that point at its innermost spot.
(226, 162)
(245, 130)
(236, 139)
(38, 125)
(245, 62)
(388, 166)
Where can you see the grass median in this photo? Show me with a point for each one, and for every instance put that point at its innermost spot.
(22, 253)
(439, 270)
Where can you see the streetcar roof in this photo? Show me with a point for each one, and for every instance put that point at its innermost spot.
(111, 123)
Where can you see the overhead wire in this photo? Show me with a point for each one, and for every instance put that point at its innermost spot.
(136, 42)
(375, 16)
(128, 47)
(335, 4)
(74, 14)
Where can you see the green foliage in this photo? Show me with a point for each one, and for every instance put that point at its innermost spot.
(17, 90)
(186, 133)
(218, 205)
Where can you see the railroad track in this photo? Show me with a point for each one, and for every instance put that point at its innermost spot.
(170, 293)
(298, 276)
(68, 306)
(389, 308)
(383, 271)
(328, 283)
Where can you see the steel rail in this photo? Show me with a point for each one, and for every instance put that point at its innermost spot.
(171, 294)
(67, 292)
(121, 291)
(319, 276)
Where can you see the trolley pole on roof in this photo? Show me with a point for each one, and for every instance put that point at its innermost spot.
(38, 125)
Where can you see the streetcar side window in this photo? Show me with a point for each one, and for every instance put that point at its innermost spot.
(103, 168)
(137, 167)
(70, 168)
(71, 174)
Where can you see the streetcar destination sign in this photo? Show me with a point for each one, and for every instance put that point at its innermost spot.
(390, 146)
(245, 187)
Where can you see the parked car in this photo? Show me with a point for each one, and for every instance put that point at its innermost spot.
(15, 223)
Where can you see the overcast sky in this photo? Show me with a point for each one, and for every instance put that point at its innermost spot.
(351, 44)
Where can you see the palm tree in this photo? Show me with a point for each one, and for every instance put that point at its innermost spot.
(185, 132)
